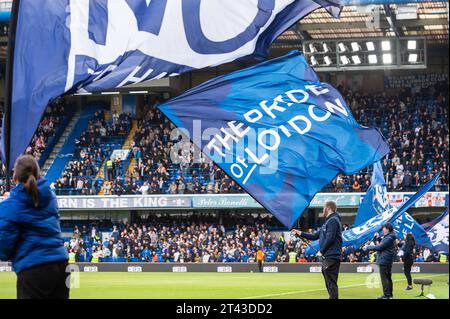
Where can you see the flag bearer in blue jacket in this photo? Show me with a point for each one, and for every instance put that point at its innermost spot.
(386, 252)
(330, 242)
(30, 235)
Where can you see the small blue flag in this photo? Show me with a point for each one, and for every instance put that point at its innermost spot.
(376, 199)
(277, 131)
(402, 222)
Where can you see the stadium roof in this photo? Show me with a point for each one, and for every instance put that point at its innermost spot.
(424, 19)
(428, 19)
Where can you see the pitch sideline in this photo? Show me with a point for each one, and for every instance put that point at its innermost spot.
(324, 289)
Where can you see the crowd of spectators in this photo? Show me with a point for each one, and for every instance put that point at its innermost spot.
(196, 240)
(173, 240)
(80, 177)
(53, 116)
(416, 128)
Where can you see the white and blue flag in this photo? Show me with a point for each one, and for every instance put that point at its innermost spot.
(277, 131)
(376, 201)
(438, 234)
(93, 45)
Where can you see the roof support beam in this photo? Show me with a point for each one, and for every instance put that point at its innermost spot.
(392, 20)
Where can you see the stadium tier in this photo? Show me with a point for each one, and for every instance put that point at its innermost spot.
(416, 126)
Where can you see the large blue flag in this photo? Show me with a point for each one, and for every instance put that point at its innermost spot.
(438, 234)
(277, 131)
(377, 201)
(402, 222)
(94, 45)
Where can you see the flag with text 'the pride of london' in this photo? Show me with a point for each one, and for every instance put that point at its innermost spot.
(277, 131)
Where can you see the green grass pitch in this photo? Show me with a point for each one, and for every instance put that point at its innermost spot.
(233, 285)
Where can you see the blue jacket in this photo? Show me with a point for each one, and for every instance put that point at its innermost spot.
(387, 249)
(330, 237)
(30, 236)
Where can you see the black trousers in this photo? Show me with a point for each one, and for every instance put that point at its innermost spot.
(47, 281)
(110, 174)
(407, 264)
(330, 272)
(386, 280)
(260, 265)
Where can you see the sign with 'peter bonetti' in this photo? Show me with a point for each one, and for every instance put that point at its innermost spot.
(123, 202)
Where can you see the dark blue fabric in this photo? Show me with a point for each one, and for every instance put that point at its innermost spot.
(31, 236)
(98, 10)
(386, 250)
(330, 237)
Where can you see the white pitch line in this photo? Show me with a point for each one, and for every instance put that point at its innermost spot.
(323, 289)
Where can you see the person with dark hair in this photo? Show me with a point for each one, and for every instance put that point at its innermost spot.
(330, 242)
(30, 235)
(386, 252)
(409, 255)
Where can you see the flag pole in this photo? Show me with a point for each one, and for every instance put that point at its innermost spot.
(9, 89)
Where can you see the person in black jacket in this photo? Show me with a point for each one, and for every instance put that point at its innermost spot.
(409, 252)
(386, 252)
(330, 242)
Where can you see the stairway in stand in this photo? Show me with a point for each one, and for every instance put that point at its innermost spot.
(51, 158)
(126, 146)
